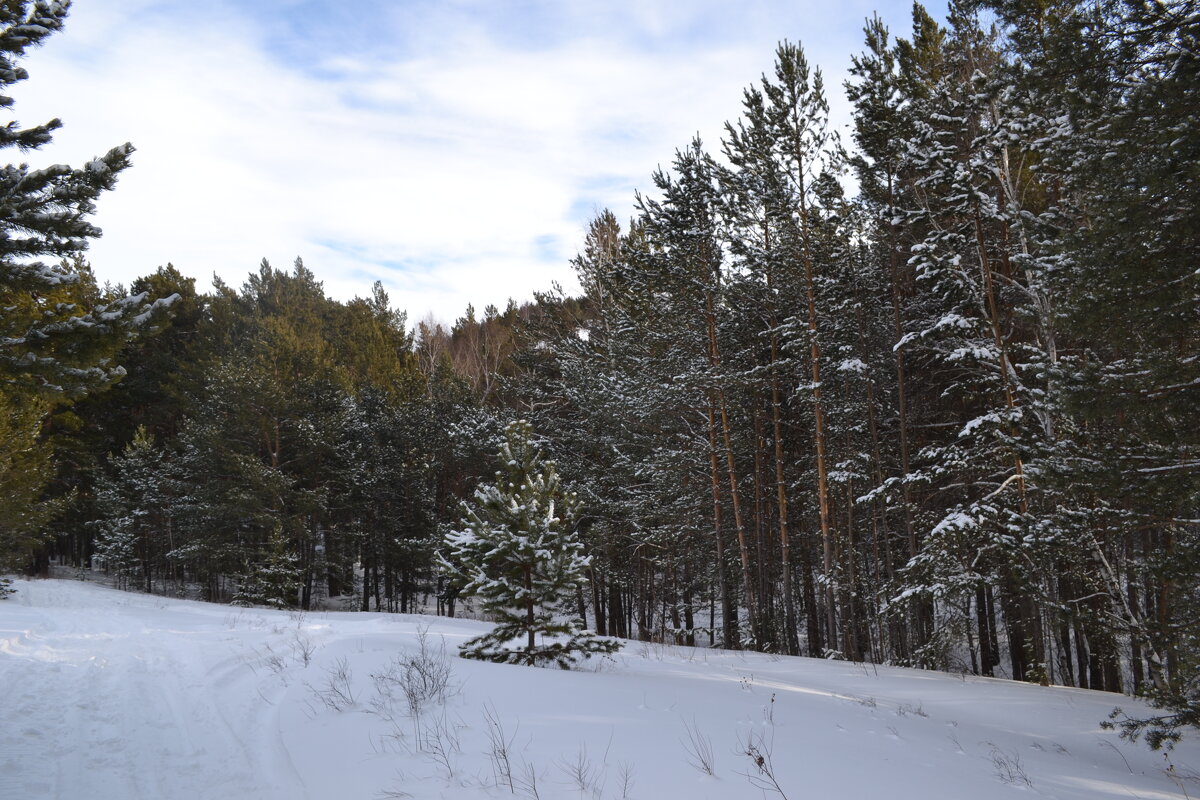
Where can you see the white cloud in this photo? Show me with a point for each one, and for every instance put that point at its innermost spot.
(461, 171)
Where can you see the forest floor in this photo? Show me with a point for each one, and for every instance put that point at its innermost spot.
(111, 695)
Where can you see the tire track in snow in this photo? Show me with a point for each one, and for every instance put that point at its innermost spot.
(26, 769)
(247, 701)
(128, 710)
(30, 719)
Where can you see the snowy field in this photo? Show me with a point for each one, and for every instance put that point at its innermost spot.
(107, 695)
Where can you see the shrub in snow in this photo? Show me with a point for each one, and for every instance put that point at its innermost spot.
(516, 552)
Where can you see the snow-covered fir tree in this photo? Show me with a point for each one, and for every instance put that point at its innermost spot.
(517, 553)
(135, 515)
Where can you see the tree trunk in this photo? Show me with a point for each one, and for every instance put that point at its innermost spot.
(729, 632)
(529, 615)
(597, 601)
(714, 355)
(791, 631)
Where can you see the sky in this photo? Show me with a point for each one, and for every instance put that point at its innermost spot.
(454, 150)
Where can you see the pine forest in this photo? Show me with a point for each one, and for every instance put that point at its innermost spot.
(924, 394)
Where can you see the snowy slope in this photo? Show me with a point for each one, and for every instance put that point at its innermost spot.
(108, 695)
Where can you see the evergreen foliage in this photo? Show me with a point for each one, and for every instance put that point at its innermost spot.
(50, 343)
(516, 551)
(130, 499)
(950, 422)
(58, 333)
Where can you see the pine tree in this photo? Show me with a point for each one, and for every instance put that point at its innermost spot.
(25, 469)
(518, 554)
(681, 272)
(45, 345)
(134, 522)
(1115, 86)
(57, 339)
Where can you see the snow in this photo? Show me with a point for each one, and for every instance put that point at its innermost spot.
(991, 418)
(854, 365)
(956, 520)
(111, 695)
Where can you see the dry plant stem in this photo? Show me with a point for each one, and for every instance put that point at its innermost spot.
(422, 679)
(338, 692)
(303, 648)
(625, 780)
(441, 743)
(1008, 767)
(500, 747)
(1177, 777)
(583, 776)
(759, 751)
(527, 781)
(1118, 752)
(699, 749)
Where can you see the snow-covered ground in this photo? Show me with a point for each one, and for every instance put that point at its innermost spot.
(109, 695)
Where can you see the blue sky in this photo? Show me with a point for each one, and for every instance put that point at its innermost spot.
(454, 150)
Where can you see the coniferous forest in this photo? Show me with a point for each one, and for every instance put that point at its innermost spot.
(947, 419)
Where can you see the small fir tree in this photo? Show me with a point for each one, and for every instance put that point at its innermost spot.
(517, 552)
(274, 580)
(131, 500)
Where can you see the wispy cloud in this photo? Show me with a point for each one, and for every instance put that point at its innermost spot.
(453, 150)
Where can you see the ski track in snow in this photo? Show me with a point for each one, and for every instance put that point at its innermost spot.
(96, 706)
(109, 695)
